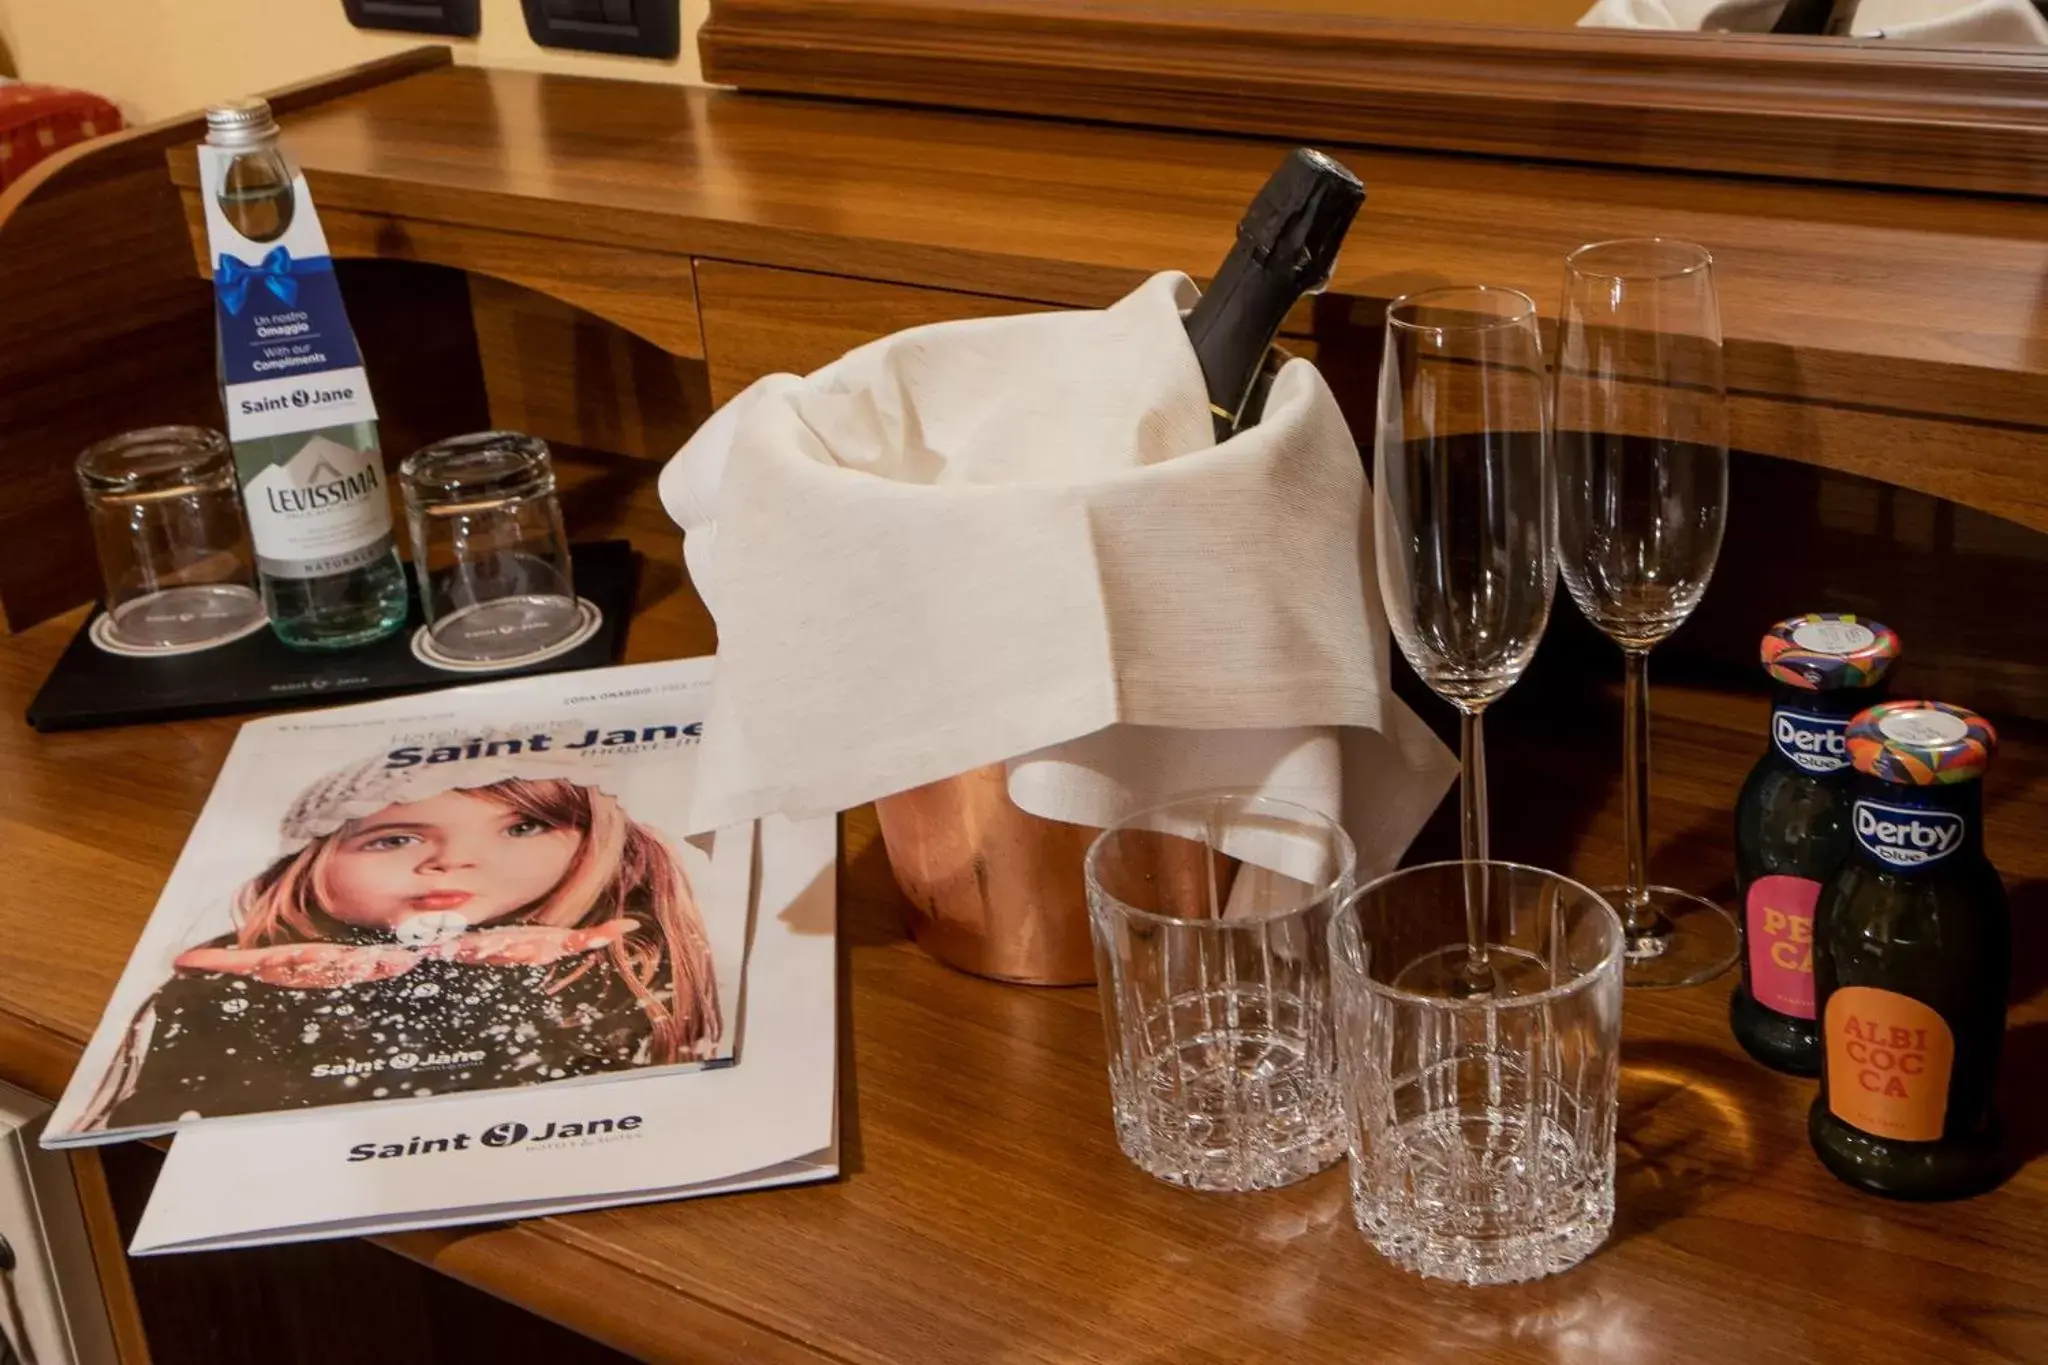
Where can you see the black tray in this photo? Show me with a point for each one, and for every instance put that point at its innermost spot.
(259, 672)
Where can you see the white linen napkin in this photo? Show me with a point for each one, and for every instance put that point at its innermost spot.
(1016, 540)
(2015, 22)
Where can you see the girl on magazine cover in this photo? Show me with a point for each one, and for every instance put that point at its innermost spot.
(427, 931)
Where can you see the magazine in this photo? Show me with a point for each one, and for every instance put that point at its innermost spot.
(476, 890)
(769, 1120)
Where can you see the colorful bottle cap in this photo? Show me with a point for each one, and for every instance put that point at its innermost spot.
(1823, 651)
(1921, 743)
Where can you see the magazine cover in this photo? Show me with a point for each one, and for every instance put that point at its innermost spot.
(771, 1120)
(474, 890)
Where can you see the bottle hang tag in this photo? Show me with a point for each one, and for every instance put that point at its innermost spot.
(299, 411)
(288, 356)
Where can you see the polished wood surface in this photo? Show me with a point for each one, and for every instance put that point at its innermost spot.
(99, 316)
(1866, 110)
(103, 1232)
(986, 1214)
(1848, 312)
(649, 294)
(564, 374)
(341, 1302)
(759, 322)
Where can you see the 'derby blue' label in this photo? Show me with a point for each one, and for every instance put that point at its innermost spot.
(1907, 836)
(1814, 743)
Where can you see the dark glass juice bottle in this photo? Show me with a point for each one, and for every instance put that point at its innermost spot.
(1913, 956)
(1792, 824)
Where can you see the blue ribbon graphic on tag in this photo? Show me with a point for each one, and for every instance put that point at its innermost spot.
(233, 279)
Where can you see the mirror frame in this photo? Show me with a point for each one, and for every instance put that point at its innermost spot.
(1838, 109)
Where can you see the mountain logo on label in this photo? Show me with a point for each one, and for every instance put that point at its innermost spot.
(327, 499)
(323, 471)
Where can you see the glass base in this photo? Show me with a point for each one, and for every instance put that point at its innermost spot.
(177, 620)
(1954, 1168)
(341, 610)
(1690, 939)
(1253, 1107)
(1488, 1196)
(1449, 973)
(1779, 1041)
(506, 627)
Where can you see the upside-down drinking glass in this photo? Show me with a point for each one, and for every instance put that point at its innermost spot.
(488, 547)
(1642, 470)
(1211, 920)
(173, 543)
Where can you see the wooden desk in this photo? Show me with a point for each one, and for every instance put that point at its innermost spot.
(986, 1214)
(1894, 335)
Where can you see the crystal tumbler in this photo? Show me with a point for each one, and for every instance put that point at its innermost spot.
(1481, 1125)
(1210, 917)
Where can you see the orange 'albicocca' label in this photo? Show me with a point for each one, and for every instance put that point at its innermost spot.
(1889, 1058)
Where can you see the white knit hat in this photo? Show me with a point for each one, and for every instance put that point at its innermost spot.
(364, 788)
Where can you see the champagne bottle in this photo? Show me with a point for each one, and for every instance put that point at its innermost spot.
(1286, 247)
(1815, 17)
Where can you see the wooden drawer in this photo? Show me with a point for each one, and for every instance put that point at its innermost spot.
(760, 321)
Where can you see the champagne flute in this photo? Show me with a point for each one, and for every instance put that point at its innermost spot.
(1462, 513)
(1642, 466)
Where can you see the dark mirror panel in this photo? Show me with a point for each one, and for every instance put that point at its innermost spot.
(635, 28)
(459, 18)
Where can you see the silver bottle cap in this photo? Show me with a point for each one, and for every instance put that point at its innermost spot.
(245, 122)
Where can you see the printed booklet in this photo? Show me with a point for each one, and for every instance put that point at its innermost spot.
(449, 957)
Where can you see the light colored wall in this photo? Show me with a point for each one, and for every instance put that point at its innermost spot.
(157, 58)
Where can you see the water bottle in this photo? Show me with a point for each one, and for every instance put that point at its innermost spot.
(299, 410)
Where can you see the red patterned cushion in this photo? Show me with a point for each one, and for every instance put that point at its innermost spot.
(36, 120)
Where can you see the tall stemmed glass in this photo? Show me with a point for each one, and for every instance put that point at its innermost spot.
(1462, 517)
(1642, 464)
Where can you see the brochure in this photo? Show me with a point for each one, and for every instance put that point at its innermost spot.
(476, 890)
(769, 1120)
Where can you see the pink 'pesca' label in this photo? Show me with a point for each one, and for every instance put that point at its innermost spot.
(1780, 916)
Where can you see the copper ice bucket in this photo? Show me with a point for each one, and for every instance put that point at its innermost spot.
(992, 890)
(999, 892)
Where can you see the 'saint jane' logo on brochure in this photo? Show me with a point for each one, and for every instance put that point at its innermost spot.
(500, 1135)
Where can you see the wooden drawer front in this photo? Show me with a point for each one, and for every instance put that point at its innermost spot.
(760, 321)
(571, 377)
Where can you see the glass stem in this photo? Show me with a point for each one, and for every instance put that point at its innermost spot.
(1472, 833)
(1635, 762)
